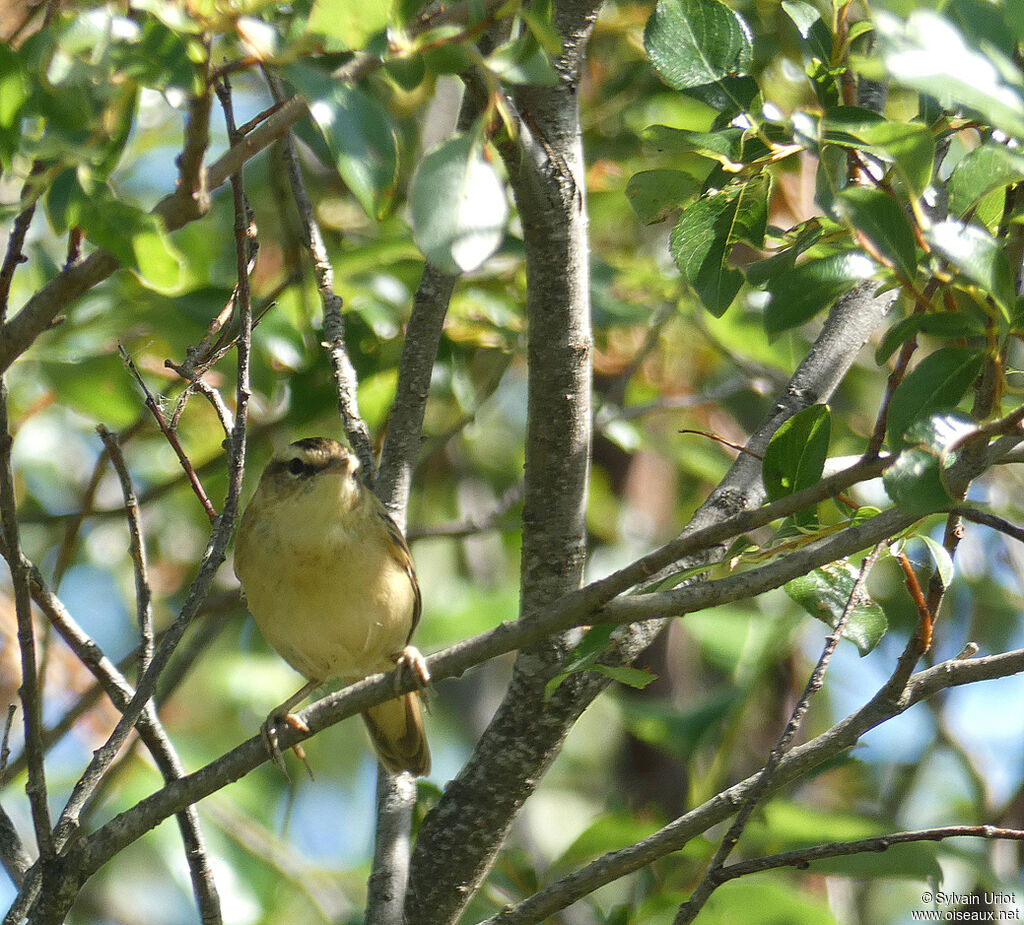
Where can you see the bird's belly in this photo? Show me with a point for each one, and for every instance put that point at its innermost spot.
(325, 626)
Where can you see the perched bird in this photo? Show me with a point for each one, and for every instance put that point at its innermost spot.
(330, 582)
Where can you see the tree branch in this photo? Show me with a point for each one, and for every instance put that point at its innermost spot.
(802, 858)
(795, 764)
(710, 881)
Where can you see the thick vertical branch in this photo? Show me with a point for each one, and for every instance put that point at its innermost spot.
(459, 840)
(405, 425)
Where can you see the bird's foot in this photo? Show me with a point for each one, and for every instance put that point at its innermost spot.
(268, 732)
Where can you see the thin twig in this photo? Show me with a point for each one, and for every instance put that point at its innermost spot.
(31, 703)
(143, 591)
(74, 525)
(710, 881)
(150, 729)
(172, 437)
(802, 858)
(5, 743)
(924, 613)
(470, 526)
(15, 243)
(334, 325)
(992, 520)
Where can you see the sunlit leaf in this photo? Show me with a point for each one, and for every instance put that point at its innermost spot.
(945, 325)
(824, 594)
(799, 294)
(702, 240)
(351, 23)
(978, 256)
(697, 42)
(926, 52)
(935, 385)
(359, 135)
(881, 219)
(459, 206)
(795, 455)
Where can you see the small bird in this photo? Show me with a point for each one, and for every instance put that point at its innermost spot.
(330, 582)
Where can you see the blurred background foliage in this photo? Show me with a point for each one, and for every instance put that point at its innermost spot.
(298, 850)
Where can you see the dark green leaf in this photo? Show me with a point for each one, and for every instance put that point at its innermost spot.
(945, 325)
(359, 136)
(795, 455)
(679, 731)
(927, 53)
(978, 256)
(935, 385)
(136, 238)
(724, 146)
(703, 239)
(655, 194)
(697, 42)
(988, 167)
(759, 272)
(824, 594)
(916, 481)
(523, 61)
(915, 484)
(817, 39)
(459, 206)
(908, 145)
(799, 294)
(881, 219)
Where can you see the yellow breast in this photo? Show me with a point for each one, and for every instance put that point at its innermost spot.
(322, 583)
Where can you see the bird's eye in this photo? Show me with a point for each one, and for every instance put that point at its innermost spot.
(296, 466)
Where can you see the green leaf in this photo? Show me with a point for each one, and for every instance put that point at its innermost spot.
(136, 238)
(795, 455)
(679, 731)
(935, 385)
(988, 167)
(584, 658)
(817, 39)
(796, 242)
(824, 594)
(978, 256)
(459, 206)
(940, 556)
(945, 325)
(929, 54)
(637, 678)
(350, 23)
(916, 481)
(359, 134)
(523, 61)
(94, 386)
(655, 194)
(696, 42)
(881, 219)
(702, 240)
(611, 830)
(910, 146)
(797, 295)
(15, 86)
(724, 146)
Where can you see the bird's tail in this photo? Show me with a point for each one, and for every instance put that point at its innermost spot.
(396, 728)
